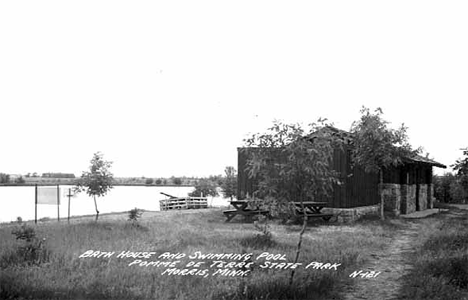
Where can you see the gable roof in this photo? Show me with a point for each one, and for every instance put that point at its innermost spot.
(348, 137)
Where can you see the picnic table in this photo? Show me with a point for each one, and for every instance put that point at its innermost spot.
(241, 207)
(311, 209)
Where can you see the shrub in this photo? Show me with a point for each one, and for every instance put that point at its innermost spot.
(134, 215)
(261, 240)
(31, 251)
(149, 181)
(25, 233)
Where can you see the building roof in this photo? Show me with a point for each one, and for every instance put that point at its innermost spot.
(348, 137)
(425, 160)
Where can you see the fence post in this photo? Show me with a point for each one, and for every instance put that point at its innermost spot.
(35, 204)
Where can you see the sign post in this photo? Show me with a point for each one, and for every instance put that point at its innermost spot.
(58, 203)
(35, 204)
(69, 197)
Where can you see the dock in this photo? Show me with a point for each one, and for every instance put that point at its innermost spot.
(183, 202)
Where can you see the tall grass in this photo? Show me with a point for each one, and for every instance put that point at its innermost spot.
(441, 262)
(66, 276)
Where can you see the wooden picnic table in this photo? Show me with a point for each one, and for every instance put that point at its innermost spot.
(311, 209)
(242, 208)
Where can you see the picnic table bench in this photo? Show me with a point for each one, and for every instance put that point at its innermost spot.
(312, 209)
(241, 208)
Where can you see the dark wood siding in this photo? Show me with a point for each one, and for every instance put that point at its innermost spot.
(357, 189)
(245, 185)
(362, 188)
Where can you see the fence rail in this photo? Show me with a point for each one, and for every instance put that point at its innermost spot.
(184, 203)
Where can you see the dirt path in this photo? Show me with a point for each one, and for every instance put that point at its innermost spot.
(392, 263)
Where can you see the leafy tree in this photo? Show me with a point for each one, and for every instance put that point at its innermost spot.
(176, 180)
(20, 180)
(292, 164)
(229, 183)
(204, 187)
(218, 179)
(443, 186)
(376, 146)
(461, 169)
(98, 180)
(4, 178)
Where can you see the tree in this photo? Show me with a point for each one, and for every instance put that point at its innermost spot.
(229, 182)
(443, 186)
(176, 180)
(376, 146)
(4, 178)
(98, 180)
(461, 169)
(204, 187)
(293, 164)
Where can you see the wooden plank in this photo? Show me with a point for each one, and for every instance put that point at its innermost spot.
(183, 203)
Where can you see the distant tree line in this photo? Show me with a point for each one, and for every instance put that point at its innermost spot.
(6, 178)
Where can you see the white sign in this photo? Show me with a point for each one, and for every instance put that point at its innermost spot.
(47, 195)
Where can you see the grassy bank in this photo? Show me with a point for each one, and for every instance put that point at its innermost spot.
(441, 261)
(57, 272)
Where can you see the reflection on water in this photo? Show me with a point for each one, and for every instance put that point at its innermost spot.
(18, 201)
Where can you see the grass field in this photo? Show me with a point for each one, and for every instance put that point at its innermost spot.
(441, 259)
(56, 271)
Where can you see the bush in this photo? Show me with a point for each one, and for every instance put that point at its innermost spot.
(25, 233)
(261, 240)
(31, 251)
(134, 215)
(149, 181)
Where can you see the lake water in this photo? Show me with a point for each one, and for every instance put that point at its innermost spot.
(18, 201)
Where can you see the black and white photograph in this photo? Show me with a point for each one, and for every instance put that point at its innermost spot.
(233, 150)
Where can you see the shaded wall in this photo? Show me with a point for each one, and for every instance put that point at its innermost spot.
(407, 188)
(358, 188)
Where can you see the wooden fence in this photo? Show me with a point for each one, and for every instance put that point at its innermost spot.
(184, 203)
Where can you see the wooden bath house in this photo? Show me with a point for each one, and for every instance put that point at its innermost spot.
(407, 188)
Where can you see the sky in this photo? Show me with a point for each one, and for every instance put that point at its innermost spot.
(172, 88)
